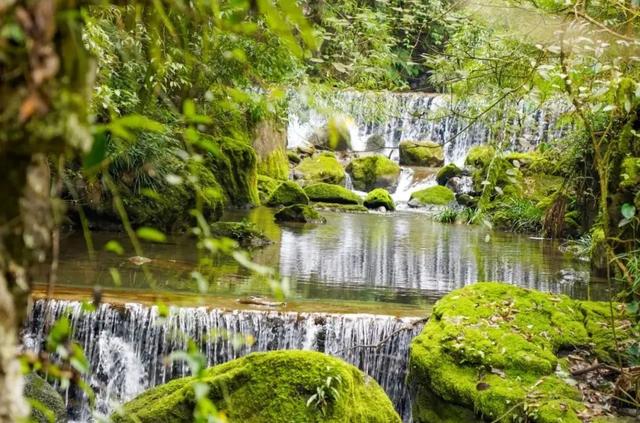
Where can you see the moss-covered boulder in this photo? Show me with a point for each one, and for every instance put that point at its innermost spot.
(335, 135)
(270, 387)
(323, 167)
(421, 153)
(491, 348)
(372, 172)
(447, 172)
(480, 155)
(341, 208)
(269, 143)
(42, 395)
(245, 233)
(287, 194)
(266, 186)
(293, 157)
(328, 193)
(437, 196)
(379, 197)
(300, 213)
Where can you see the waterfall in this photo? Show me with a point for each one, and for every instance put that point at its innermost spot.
(127, 346)
(417, 116)
(408, 183)
(348, 182)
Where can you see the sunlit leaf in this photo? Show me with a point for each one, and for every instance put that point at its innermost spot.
(151, 234)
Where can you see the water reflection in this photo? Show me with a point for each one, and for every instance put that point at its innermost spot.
(399, 257)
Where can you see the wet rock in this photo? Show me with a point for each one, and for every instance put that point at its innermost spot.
(323, 167)
(287, 194)
(300, 213)
(421, 153)
(328, 193)
(447, 172)
(379, 199)
(375, 171)
(437, 195)
(38, 389)
(460, 184)
(466, 200)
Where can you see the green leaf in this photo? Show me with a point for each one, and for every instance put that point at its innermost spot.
(633, 307)
(114, 247)
(97, 154)
(151, 234)
(140, 122)
(628, 211)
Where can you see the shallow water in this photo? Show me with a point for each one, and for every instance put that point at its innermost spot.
(396, 258)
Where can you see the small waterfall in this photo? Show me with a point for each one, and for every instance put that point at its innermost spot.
(408, 184)
(348, 182)
(418, 116)
(126, 346)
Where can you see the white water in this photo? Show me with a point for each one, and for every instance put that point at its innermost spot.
(418, 116)
(127, 347)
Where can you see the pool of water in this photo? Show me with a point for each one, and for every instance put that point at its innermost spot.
(398, 258)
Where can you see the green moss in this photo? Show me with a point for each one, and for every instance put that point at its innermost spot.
(437, 195)
(246, 234)
(269, 387)
(379, 197)
(532, 162)
(491, 347)
(480, 155)
(299, 213)
(266, 186)
(346, 208)
(287, 194)
(447, 172)
(331, 194)
(372, 172)
(237, 172)
(293, 157)
(321, 168)
(630, 173)
(41, 394)
(275, 165)
(421, 153)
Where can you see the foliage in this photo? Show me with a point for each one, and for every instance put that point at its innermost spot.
(517, 214)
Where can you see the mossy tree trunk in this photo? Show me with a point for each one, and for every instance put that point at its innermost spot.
(43, 114)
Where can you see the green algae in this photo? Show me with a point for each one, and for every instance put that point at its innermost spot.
(287, 194)
(370, 172)
(269, 387)
(329, 193)
(491, 348)
(437, 195)
(379, 197)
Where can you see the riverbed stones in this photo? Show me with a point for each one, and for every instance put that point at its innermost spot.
(490, 349)
(277, 386)
(421, 153)
(375, 171)
(378, 198)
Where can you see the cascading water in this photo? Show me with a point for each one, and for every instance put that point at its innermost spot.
(394, 117)
(127, 346)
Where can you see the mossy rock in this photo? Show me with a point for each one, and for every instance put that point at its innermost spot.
(266, 186)
(491, 348)
(630, 173)
(287, 194)
(293, 157)
(532, 162)
(246, 234)
(269, 387)
(377, 198)
(376, 171)
(274, 164)
(236, 170)
(41, 394)
(335, 135)
(329, 193)
(437, 195)
(447, 172)
(323, 167)
(421, 153)
(342, 208)
(480, 155)
(300, 213)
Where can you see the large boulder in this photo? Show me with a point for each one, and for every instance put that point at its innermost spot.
(421, 153)
(436, 196)
(300, 213)
(323, 167)
(377, 198)
(287, 194)
(278, 386)
(40, 392)
(376, 171)
(328, 193)
(490, 350)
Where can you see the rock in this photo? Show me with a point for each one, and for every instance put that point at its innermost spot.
(286, 194)
(480, 155)
(421, 153)
(266, 186)
(376, 171)
(299, 213)
(343, 208)
(293, 157)
(139, 260)
(460, 184)
(269, 142)
(377, 198)
(335, 135)
(375, 143)
(466, 200)
(321, 168)
(437, 195)
(270, 387)
(306, 149)
(514, 333)
(328, 193)
(38, 389)
(447, 172)
(246, 234)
